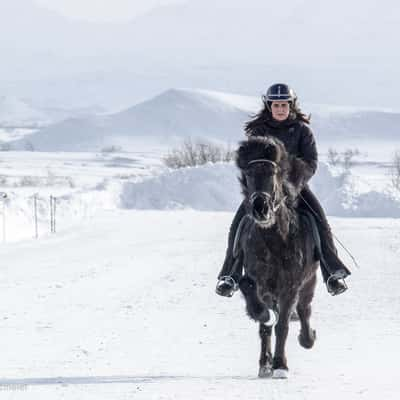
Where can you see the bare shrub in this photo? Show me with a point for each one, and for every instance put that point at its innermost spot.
(29, 181)
(333, 157)
(348, 158)
(45, 181)
(190, 154)
(111, 149)
(345, 158)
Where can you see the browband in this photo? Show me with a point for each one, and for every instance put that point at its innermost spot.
(263, 160)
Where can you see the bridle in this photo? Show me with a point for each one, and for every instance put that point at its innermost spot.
(271, 199)
(263, 160)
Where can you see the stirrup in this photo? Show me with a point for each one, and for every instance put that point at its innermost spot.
(229, 280)
(341, 284)
(226, 286)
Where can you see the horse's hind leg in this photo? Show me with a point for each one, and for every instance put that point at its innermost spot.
(307, 335)
(265, 370)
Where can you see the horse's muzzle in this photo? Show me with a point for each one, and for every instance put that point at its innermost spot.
(259, 206)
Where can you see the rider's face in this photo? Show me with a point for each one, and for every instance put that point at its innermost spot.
(280, 110)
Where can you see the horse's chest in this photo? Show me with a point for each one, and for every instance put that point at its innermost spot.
(273, 262)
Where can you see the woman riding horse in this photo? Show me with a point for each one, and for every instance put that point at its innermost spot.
(282, 118)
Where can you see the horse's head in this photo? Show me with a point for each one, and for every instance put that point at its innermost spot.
(263, 163)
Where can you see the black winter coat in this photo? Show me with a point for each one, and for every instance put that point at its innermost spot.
(299, 142)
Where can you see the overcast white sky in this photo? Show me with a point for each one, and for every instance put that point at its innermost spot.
(103, 10)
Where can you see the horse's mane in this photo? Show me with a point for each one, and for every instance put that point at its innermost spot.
(267, 148)
(259, 147)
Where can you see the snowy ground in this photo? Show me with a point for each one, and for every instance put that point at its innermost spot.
(123, 307)
(120, 303)
(83, 183)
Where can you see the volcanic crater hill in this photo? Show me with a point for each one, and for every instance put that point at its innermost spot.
(173, 114)
(193, 113)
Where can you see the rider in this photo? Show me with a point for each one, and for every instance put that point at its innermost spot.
(282, 118)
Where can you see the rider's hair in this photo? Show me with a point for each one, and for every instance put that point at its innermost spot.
(265, 114)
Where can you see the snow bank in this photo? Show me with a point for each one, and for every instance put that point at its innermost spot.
(209, 187)
(215, 187)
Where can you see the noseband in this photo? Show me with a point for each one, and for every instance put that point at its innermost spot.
(275, 206)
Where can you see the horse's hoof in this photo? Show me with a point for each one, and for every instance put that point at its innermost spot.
(265, 371)
(280, 374)
(307, 341)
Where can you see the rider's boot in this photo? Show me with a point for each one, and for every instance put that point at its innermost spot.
(334, 281)
(333, 270)
(232, 268)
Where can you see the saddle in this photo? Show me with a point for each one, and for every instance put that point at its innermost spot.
(306, 218)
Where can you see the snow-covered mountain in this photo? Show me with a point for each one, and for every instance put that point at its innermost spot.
(181, 113)
(173, 114)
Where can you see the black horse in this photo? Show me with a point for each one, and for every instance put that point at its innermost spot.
(276, 247)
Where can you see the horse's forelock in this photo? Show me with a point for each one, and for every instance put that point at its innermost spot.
(259, 148)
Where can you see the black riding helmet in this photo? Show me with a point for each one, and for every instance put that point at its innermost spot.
(280, 92)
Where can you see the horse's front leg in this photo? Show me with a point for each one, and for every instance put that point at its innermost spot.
(256, 308)
(265, 370)
(279, 363)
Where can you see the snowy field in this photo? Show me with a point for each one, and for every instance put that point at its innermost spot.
(83, 183)
(123, 307)
(120, 303)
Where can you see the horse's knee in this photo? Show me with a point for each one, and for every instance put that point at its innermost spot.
(256, 310)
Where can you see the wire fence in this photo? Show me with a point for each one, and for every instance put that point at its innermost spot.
(41, 207)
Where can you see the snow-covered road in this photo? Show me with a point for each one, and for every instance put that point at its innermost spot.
(124, 308)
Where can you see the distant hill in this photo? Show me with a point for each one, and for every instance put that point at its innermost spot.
(179, 113)
(171, 115)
